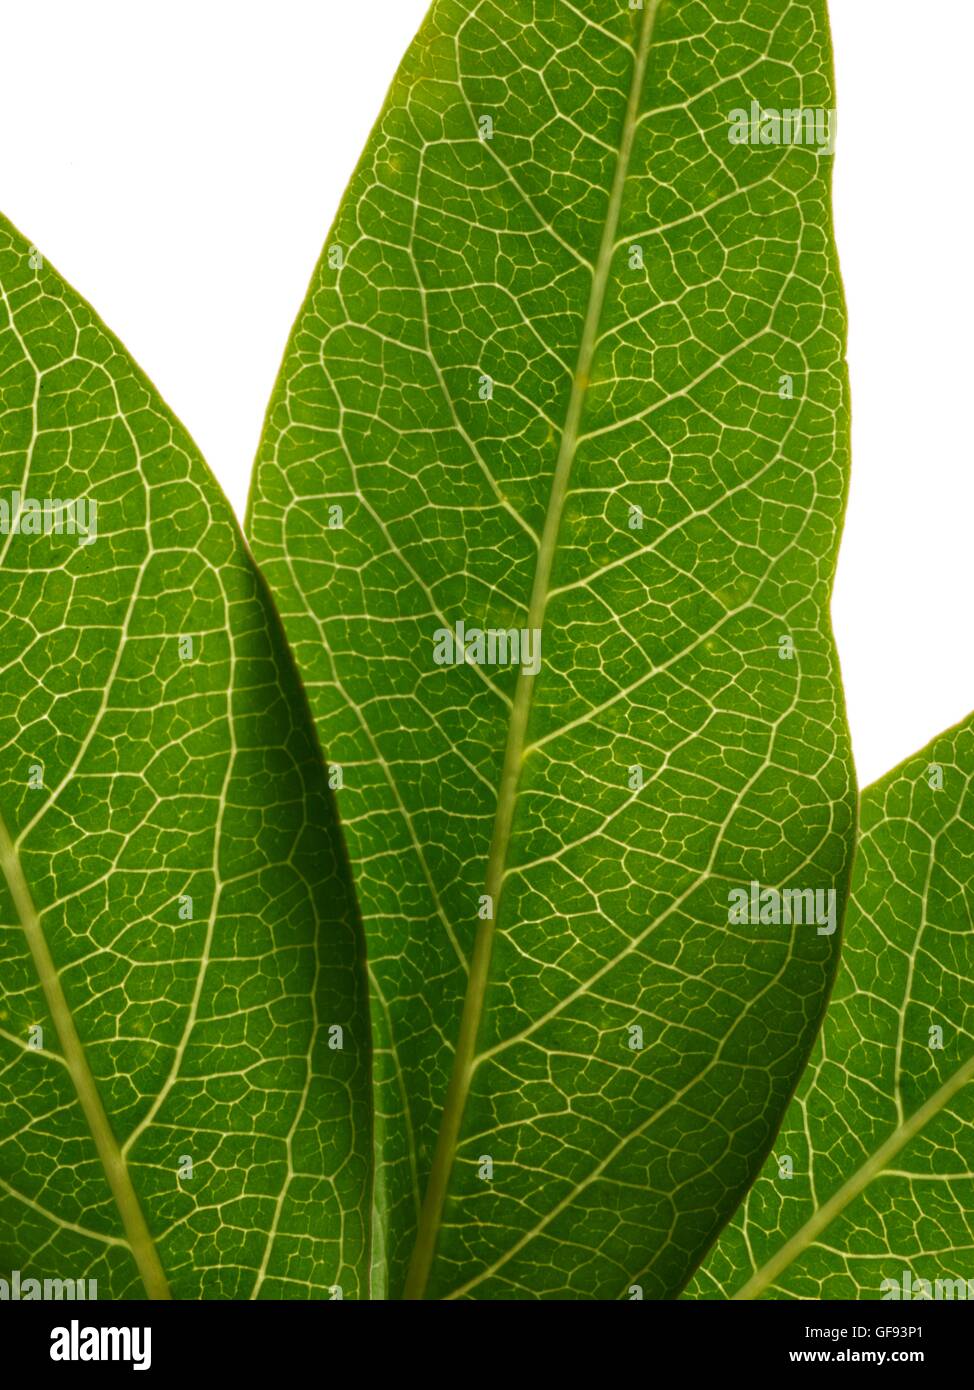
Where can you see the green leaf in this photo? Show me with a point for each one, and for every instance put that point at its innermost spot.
(879, 1132)
(572, 362)
(178, 934)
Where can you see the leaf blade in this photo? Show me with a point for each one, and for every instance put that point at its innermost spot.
(471, 380)
(854, 1216)
(168, 849)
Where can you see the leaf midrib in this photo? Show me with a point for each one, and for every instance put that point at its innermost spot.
(464, 1057)
(874, 1165)
(117, 1175)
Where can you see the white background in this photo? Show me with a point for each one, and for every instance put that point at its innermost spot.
(180, 162)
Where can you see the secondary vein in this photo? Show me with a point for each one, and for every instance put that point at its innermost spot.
(116, 1169)
(861, 1178)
